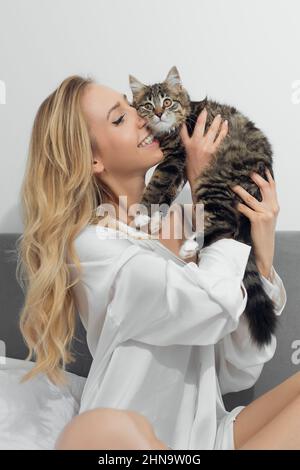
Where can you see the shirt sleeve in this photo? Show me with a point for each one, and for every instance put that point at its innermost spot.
(160, 302)
(239, 362)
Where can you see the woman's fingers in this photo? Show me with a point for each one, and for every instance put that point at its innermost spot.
(269, 201)
(267, 189)
(250, 213)
(250, 200)
(260, 181)
(222, 134)
(210, 136)
(198, 129)
(270, 177)
(200, 125)
(213, 129)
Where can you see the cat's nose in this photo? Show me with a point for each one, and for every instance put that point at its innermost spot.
(159, 113)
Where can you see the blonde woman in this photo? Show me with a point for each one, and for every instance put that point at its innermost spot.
(168, 336)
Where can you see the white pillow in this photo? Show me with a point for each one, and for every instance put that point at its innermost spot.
(33, 413)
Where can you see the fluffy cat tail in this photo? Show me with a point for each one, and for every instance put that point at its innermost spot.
(259, 310)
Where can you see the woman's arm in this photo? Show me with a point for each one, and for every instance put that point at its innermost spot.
(263, 217)
(239, 362)
(171, 233)
(200, 149)
(157, 301)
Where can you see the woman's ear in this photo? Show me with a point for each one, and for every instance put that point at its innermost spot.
(98, 166)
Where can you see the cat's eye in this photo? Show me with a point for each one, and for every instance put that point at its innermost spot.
(167, 102)
(148, 106)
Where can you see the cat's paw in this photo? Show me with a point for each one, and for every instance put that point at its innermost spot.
(180, 188)
(188, 248)
(155, 223)
(141, 219)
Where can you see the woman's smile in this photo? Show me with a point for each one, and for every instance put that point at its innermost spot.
(150, 145)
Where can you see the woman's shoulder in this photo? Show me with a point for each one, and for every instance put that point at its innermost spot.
(94, 243)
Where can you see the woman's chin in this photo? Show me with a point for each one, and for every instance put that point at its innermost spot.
(152, 156)
(158, 153)
(158, 158)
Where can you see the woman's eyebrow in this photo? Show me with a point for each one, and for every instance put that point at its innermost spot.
(116, 105)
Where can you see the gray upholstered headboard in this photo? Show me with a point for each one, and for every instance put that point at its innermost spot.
(285, 362)
(11, 300)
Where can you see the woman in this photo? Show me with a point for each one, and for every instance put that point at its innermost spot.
(168, 337)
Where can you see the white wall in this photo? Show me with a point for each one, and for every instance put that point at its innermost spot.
(241, 52)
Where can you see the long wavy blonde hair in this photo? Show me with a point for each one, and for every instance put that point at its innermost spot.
(59, 196)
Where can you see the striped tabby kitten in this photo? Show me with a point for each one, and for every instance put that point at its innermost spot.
(245, 149)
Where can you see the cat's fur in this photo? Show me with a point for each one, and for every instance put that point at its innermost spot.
(244, 149)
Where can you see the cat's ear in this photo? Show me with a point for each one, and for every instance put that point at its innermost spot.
(135, 85)
(173, 78)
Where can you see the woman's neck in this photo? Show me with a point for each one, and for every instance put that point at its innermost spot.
(128, 194)
(118, 211)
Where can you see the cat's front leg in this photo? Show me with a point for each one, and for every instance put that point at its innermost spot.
(168, 179)
(220, 217)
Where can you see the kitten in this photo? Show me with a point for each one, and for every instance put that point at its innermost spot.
(245, 149)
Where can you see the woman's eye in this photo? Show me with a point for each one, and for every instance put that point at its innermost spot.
(167, 102)
(118, 121)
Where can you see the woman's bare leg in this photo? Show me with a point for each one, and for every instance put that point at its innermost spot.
(264, 409)
(281, 433)
(110, 429)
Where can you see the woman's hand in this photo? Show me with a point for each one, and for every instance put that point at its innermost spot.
(263, 217)
(199, 147)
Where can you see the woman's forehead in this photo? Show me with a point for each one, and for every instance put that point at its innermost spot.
(98, 99)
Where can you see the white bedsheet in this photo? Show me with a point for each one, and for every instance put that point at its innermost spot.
(33, 413)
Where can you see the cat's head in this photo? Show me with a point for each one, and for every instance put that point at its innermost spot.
(164, 105)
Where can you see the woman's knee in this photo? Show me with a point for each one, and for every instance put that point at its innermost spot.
(107, 428)
(297, 375)
(294, 381)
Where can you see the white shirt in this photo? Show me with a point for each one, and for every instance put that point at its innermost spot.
(168, 337)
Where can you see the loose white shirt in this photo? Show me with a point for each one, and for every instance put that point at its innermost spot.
(168, 337)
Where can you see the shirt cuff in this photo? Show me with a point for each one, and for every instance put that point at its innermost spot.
(275, 289)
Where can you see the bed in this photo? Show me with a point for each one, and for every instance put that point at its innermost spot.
(33, 413)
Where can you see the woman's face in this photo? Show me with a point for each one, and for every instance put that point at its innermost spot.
(117, 130)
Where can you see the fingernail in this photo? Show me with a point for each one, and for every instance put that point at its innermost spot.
(225, 122)
(204, 110)
(218, 116)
